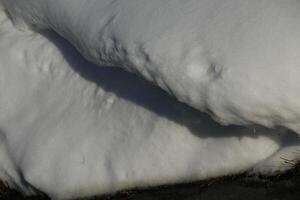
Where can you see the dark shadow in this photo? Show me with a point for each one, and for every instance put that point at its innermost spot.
(135, 89)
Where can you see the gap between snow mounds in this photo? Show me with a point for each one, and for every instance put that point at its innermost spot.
(198, 123)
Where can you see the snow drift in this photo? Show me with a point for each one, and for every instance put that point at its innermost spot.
(237, 60)
(70, 128)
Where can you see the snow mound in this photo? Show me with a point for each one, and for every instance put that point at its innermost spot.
(236, 60)
(71, 129)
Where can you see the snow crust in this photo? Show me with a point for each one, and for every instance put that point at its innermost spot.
(237, 60)
(71, 128)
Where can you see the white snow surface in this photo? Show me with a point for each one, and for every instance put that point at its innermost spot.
(70, 128)
(235, 59)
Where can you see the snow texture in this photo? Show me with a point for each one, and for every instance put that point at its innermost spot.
(236, 59)
(71, 128)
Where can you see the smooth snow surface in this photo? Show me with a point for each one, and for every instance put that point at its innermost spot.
(235, 59)
(70, 128)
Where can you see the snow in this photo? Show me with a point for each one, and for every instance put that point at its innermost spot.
(237, 60)
(70, 128)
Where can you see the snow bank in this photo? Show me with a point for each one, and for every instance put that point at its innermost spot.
(237, 60)
(71, 129)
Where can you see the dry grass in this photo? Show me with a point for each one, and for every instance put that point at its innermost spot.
(7, 193)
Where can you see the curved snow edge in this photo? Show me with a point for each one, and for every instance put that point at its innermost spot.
(214, 56)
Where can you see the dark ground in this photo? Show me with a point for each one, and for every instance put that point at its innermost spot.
(282, 187)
